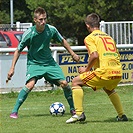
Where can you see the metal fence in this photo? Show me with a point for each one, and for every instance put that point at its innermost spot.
(122, 31)
(16, 27)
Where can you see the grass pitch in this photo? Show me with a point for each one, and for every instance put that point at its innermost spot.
(34, 116)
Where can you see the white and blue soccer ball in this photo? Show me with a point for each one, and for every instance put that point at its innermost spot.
(57, 109)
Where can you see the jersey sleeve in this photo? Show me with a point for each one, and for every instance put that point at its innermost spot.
(25, 40)
(90, 44)
(57, 36)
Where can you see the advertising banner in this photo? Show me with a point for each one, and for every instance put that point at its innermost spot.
(70, 68)
(126, 58)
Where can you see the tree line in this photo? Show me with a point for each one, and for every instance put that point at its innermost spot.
(68, 15)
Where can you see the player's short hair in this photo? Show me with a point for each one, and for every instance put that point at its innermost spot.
(38, 11)
(93, 20)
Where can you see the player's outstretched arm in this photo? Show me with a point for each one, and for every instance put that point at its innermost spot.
(68, 48)
(92, 60)
(14, 61)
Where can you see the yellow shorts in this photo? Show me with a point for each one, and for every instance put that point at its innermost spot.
(95, 82)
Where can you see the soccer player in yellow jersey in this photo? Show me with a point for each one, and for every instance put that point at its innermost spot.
(106, 70)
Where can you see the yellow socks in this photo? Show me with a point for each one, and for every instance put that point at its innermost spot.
(78, 99)
(114, 97)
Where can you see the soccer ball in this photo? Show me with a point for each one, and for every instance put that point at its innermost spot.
(57, 108)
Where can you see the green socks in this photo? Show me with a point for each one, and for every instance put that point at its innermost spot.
(21, 98)
(25, 91)
(68, 95)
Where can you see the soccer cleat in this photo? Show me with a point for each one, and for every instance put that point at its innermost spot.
(14, 115)
(73, 112)
(76, 118)
(123, 118)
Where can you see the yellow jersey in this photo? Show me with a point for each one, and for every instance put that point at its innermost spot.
(108, 65)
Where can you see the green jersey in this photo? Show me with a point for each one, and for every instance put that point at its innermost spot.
(38, 45)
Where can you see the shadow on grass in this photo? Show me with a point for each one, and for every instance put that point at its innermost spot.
(46, 115)
(41, 115)
(37, 115)
(114, 120)
(78, 122)
(82, 122)
(109, 120)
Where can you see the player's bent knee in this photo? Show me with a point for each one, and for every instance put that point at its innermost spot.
(30, 86)
(63, 83)
(109, 92)
(75, 82)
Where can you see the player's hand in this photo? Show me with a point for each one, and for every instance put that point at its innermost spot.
(10, 74)
(76, 57)
(81, 70)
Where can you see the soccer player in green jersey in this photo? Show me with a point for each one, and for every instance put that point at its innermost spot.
(106, 73)
(40, 62)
